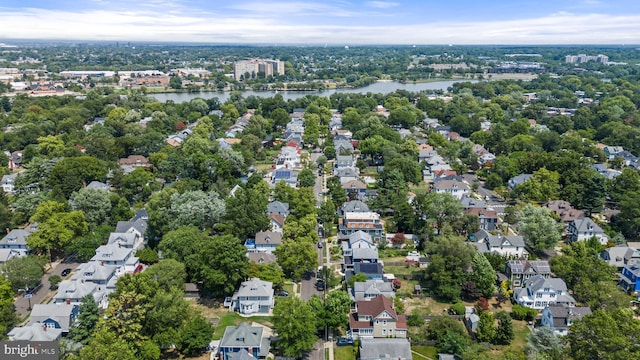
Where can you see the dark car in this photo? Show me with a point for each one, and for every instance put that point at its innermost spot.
(320, 285)
(66, 272)
(344, 341)
(282, 293)
(320, 245)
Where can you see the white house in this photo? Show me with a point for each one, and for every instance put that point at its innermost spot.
(539, 292)
(8, 183)
(511, 246)
(584, 229)
(253, 296)
(15, 242)
(453, 187)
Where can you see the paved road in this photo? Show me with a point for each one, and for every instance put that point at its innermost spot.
(22, 304)
(490, 197)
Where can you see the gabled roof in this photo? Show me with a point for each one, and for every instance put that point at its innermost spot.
(481, 212)
(122, 238)
(365, 253)
(243, 354)
(141, 214)
(375, 307)
(111, 252)
(354, 185)
(140, 225)
(97, 185)
(484, 236)
(360, 236)
(564, 313)
(61, 313)
(355, 206)
(242, 336)
(278, 207)
(255, 287)
(524, 266)
(261, 257)
(94, 271)
(619, 255)
(372, 287)
(268, 238)
(77, 290)
(278, 218)
(450, 184)
(15, 237)
(585, 224)
(469, 202)
(385, 348)
(539, 282)
(34, 332)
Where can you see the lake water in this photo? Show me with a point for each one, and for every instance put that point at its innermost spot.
(381, 87)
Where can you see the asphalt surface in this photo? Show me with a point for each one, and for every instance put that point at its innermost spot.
(22, 303)
(488, 196)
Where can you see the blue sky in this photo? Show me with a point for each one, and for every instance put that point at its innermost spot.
(348, 22)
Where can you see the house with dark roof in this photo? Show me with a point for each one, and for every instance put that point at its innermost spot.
(564, 210)
(538, 292)
(354, 206)
(370, 270)
(138, 227)
(355, 189)
(54, 316)
(451, 186)
(505, 245)
(289, 177)
(346, 174)
(560, 317)
(584, 229)
(469, 202)
(253, 297)
(16, 240)
(519, 271)
(628, 279)
(381, 349)
(251, 339)
(377, 318)
(517, 180)
(488, 219)
(261, 257)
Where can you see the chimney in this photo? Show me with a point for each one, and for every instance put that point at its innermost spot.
(68, 301)
(119, 245)
(7, 230)
(44, 328)
(101, 263)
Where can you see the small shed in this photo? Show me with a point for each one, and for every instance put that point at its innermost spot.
(191, 291)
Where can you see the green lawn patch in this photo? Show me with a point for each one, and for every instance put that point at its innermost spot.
(234, 319)
(344, 353)
(428, 351)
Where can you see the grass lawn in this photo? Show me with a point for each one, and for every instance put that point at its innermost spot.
(288, 286)
(428, 351)
(404, 270)
(343, 353)
(221, 317)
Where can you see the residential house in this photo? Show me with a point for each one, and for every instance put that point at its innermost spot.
(373, 271)
(628, 280)
(97, 185)
(451, 186)
(289, 158)
(376, 318)
(130, 240)
(16, 240)
(488, 218)
(277, 207)
(54, 316)
(359, 248)
(517, 180)
(138, 227)
(343, 146)
(564, 210)
(261, 257)
(277, 222)
(519, 271)
(253, 297)
(380, 349)
(355, 189)
(367, 290)
(114, 254)
(132, 162)
(8, 183)
(512, 246)
(538, 292)
(560, 317)
(620, 255)
(346, 174)
(72, 292)
(344, 161)
(584, 228)
(141, 214)
(34, 332)
(446, 357)
(8, 254)
(251, 339)
(353, 206)
(290, 177)
(612, 151)
(469, 202)
(98, 273)
(368, 222)
(267, 241)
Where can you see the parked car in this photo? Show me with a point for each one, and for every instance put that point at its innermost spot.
(66, 272)
(320, 245)
(320, 285)
(343, 341)
(282, 293)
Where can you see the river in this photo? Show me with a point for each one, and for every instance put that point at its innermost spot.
(381, 87)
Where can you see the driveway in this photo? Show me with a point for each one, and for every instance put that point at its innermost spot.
(41, 296)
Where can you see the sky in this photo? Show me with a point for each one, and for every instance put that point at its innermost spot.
(318, 22)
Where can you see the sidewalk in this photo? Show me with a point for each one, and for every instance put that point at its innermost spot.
(329, 345)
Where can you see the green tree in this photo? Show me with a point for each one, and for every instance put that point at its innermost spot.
(70, 174)
(295, 325)
(58, 232)
(539, 229)
(544, 344)
(88, 315)
(486, 327)
(605, 335)
(296, 257)
(8, 316)
(504, 332)
(450, 257)
(442, 208)
(95, 204)
(246, 210)
(483, 276)
(147, 255)
(106, 345)
(446, 332)
(24, 272)
(306, 178)
(168, 273)
(195, 335)
(543, 186)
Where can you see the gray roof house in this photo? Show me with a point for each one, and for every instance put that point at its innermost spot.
(518, 271)
(519, 179)
(97, 185)
(561, 317)
(72, 292)
(540, 292)
(385, 348)
(355, 206)
(277, 207)
(343, 161)
(451, 186)
(584, 228)
(267, 241)
(370, 289)
(98, 273)
(138, 226)
(621, 255)
(8, 183)
(244, 337)
(54, 316)
(16, 239)
(504, 245)
(468, 202)
(343, 146)
(253, 296)
(261, 257)
(34, 332)
(129, 240)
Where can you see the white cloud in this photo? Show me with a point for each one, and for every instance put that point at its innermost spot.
(159, 25)
(382, 4)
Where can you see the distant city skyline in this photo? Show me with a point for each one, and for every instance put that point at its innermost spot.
(333, 22)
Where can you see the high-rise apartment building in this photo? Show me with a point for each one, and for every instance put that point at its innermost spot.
(254, 66)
